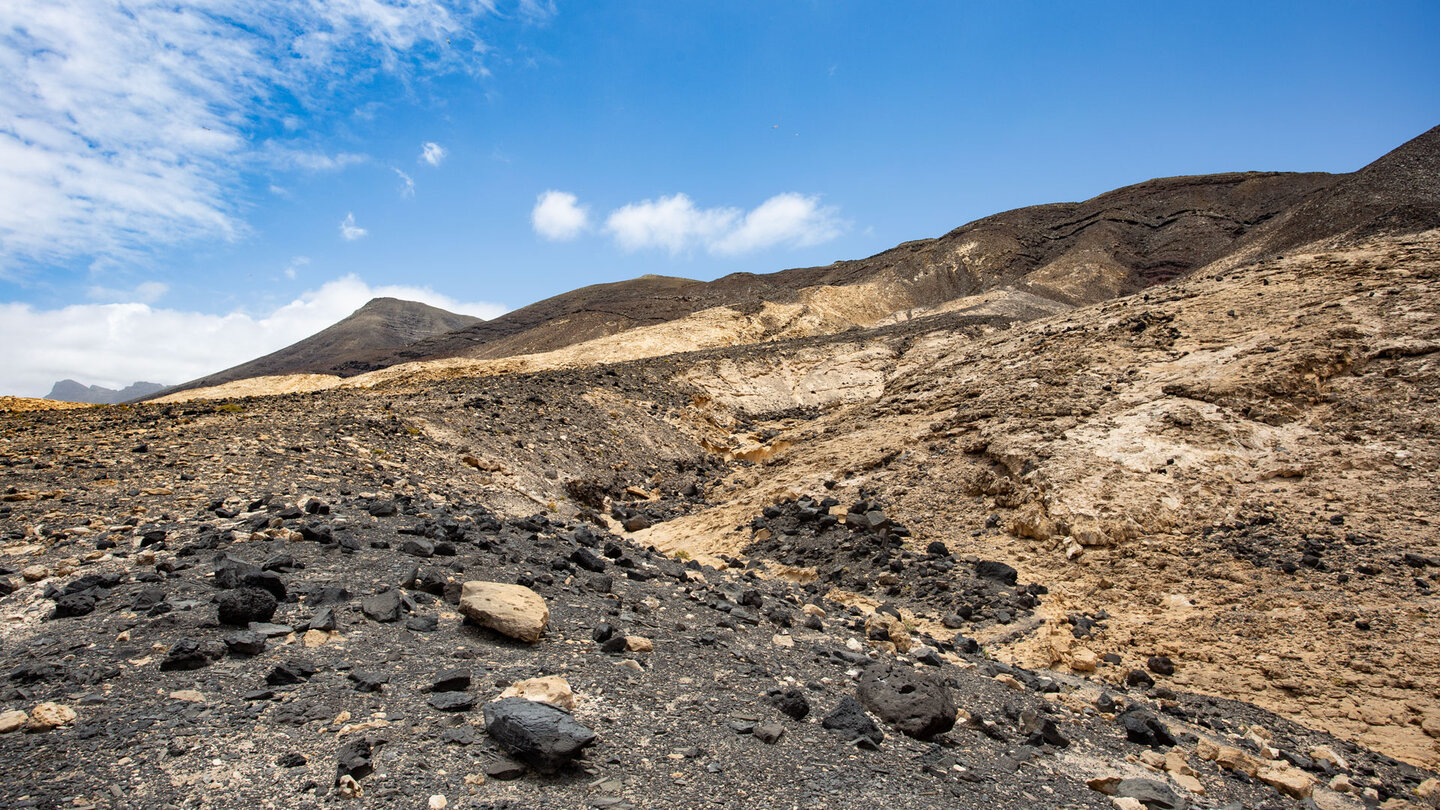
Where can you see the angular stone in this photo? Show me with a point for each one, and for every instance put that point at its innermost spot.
(13, 720)
(452, 701)
(850, 718)
(551, 689)
(542, 736)
(511, 610)
(47, 716)
(382, 607)
(187, 653)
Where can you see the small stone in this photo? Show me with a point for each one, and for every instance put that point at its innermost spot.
(347, 788)
(504, 769)
(451, 680)
(437, 802)
(187, 653)
(1293, 782)
(1160, 665)
(639, 644)
(791, 702)
(245, 643)
(48, 716)
(551, 689)
(13, 720)
(187, 695)
(292, 759)
(452, 701)
(850, 718)
(769, 733)
(368, 681)
(382, 607)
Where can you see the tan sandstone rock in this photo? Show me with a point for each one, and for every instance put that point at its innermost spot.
(511, 610)
(551, 689)
(49, 715)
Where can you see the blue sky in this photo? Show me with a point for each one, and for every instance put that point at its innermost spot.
(185, 185)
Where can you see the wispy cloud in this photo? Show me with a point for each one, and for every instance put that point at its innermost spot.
(676, 224)
(558, 216)
(432, 153)
(349, 231)
(147, 292)
(129, 124)
(407, 185)
(116, 344)
(293, 268)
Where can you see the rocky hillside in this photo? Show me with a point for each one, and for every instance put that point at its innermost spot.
(350, 346)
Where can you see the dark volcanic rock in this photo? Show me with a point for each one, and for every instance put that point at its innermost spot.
(187, 653)
(542, 736)
(452, 701)
(245, 605)
(916, 703)
(382, 607)
(790, 701)
(245, 643)
(75, 604)
(998, 571)
(1141, 727)
(849, 717)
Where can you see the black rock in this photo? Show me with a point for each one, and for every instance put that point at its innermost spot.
(187, 653)
(382, 607)
(452, 701)
(542, 736)
(460, 735)
(916, 703)
(148, 598)
(354, 758)
(36, 673)
(1141, 727)
(1161, 665)
(937, 549)
(324, 619)
(422, 624)
(849, 717)
(291, 673)
(504, 769)
(267, 580)
(282, 563)
(790, 702)
(291, 760)
(244, 605)
(602, 632)
(587, 559)
(417, 547)
(75, 604)
(1140, 678)
(245, 642)
(382, 508)
(996, 571)
(453, 680)
(368, 681)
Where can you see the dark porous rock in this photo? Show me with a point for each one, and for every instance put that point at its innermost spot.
(324, 619)
(75, 604)
(452, 680)
(266, 580)
(382, 607)
(187, 653)
(452, 701)
(541, 735)
(587, 559)
(996, 571)
(916, 703)
(293, 759)
(1161, 665)
(1141, 727)
(849, 717)
(790, 702)
(1151, 793)
(245, 642)
(242, 606)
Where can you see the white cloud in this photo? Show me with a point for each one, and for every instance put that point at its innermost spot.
(147, 292)
(675, 223)
(124, 125)
(116, 344)
(432, 153)
(293, 268)
(407, 185)
(558, 216)
(349, 231)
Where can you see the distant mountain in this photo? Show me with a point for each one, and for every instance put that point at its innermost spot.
(72, 391)
(350, 346)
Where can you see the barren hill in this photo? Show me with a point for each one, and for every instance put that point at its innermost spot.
(349, 346)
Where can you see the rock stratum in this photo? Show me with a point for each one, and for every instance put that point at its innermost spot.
(1169, 545)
